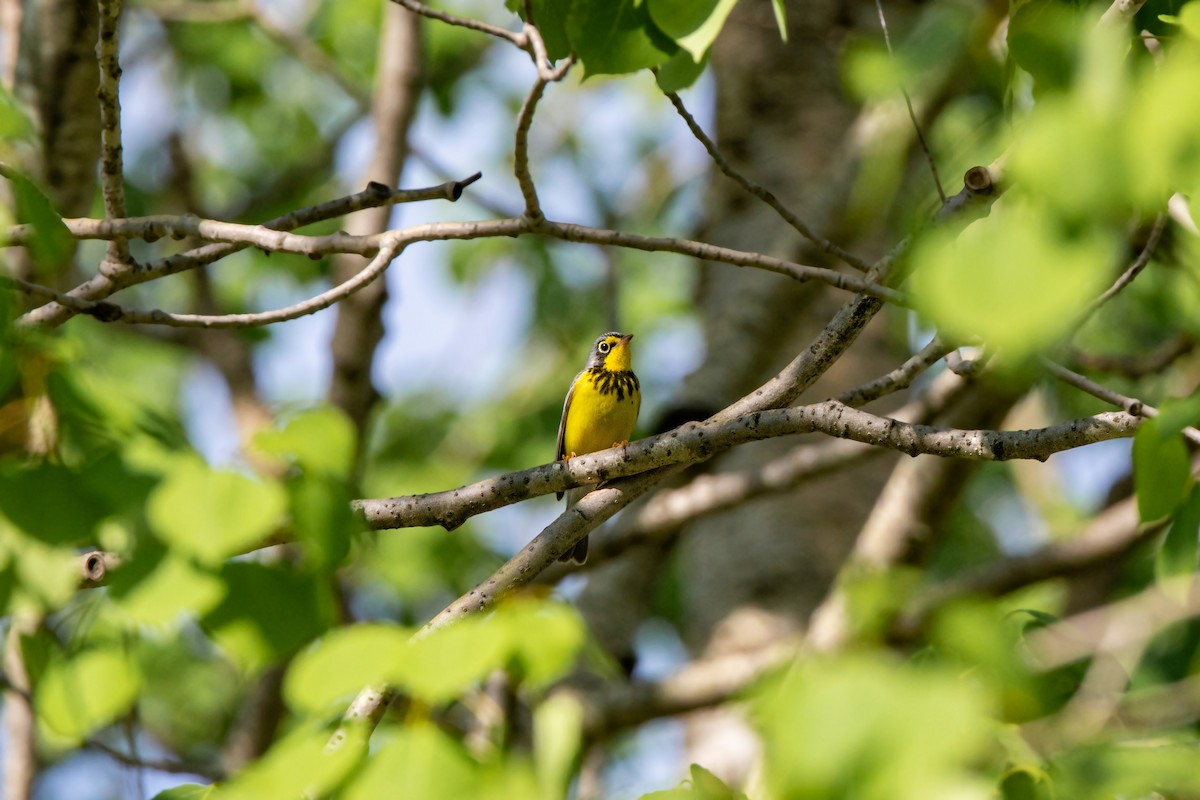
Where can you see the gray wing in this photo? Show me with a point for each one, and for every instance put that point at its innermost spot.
(560, 453)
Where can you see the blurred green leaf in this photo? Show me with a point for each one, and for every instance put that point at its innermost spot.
(615, 36)
(175, 587)
(212, 515)
(780, 11)
(1015, 278)
(448, 661)
(90, 689)
(557, 738)
(545, 638)
(1026, 783)
(1177, 554)
(693, 24)
(268, 613)
(1161, 470)
(322, 518)
(1042, 37)
(298, 766)
(49, 502)
(425, 761)
(330, 672)
(52, 243)
(187, 791)
(865, 728)
(320, 440)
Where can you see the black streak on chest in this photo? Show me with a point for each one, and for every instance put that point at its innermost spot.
(607, 382)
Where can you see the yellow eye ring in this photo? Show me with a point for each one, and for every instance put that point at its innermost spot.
(603, 347)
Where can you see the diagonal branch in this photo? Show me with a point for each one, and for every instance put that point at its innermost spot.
(763, 194)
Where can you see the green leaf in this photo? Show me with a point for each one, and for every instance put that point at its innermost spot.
(298, 766)
(321, 440)
(1015, 278)
(322, 517)
(211, 514)
(1161, 471)
(50, 503)
(426, 762)
(550, 16)
(186, 791)
(888, 731)
(268, 613)
(51, 243)
(86, 692)
(693, 24)
(1026, 783)
(444, 664)
(710, 786)
(545, 638)
(324, 676)
(613, 37)
(172, 589)
(780, 18)
(557, 737)
(1177, 554)
(1042, 37)
(680, 71)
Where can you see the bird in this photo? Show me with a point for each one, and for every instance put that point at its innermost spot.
(600, 411)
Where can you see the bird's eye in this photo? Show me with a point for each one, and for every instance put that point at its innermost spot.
(603, 347)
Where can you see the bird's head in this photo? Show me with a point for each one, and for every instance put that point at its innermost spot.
(611, 351)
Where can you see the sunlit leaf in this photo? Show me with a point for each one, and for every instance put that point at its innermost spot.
(211, 514)
(322, 517)
(893, 733)
(298, 766)
(341, 664)
(557, 737)
(1014, 278)
(90, 689)
(550, 16)
(545, 638)
(187, 791)
(173, 588)
(693, 24)
(425, 761)
(442, 665)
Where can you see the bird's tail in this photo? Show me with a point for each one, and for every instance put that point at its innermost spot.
(579, 552)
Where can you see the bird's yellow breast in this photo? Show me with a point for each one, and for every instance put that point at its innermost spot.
(604, 409)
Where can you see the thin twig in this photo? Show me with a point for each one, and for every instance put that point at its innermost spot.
(900, 378)
(1132, 271)
(161, 764)
(1150, 362)
(517, 38)
(821, 243)
(912, 115)
(1130, 404)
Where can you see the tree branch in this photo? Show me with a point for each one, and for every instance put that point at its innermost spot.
(763, 194)
(112, 171)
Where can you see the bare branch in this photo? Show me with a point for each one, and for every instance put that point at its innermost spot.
(101, 286)
(900, 378)
(701, 684)
(1134, 269)
(112, 171)
(763, 194)
(1109, 536)
(171, 766)
(1140, 365)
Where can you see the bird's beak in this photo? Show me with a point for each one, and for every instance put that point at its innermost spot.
(624, 340)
